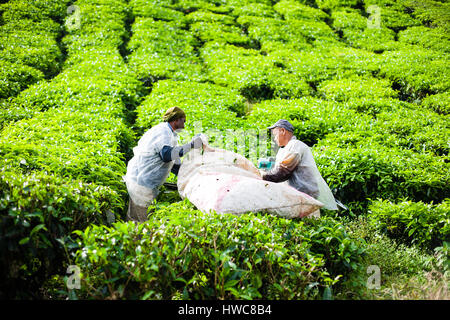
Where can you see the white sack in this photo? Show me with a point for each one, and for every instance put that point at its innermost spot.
(227, 182)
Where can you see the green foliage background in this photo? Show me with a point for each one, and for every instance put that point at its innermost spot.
(371, 102)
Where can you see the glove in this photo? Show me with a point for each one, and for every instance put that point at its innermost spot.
(196, 142)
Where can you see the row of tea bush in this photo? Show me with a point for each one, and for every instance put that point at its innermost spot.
(29, 43)
(269, 257)
(62, 152)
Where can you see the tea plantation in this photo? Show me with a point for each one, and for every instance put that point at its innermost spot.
(366, 84)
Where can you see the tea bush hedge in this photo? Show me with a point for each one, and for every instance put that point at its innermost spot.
(106, 81)
(161, 50)
(102, 24)
(39, 51)
(431, 13)
(208, 16)
(14, 77)
(416, 71)
(373, 107)
(291, 9)
(426, 225)
(345, 19)
(214, 257)
(220, 33)
(72, 143)
(173, 10)
(356, 87)
(36, 10)
(431, 38)
(319, 64)
(29, 47)
(157, 10)
(438, 102)
(255, 9)
(214, 106)
(393, 14)
(254, 75)
(38, 213)
(69, 143)
(313, 119)
(292, 32)
(372, 39)
(359, 168)
(416, 129)
(399, 125)
(335, 4)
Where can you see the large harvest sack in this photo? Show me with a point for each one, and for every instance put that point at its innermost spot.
(226, 182)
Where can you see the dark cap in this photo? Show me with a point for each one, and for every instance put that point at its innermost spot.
(283, 124)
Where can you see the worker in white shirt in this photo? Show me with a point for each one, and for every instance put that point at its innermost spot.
(295, 164)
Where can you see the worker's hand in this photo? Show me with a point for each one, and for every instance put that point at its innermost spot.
(196, 142)
(261, 172)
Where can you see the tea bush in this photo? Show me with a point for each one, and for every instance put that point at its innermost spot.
(357, 33)
(313, 119)
(220, 33)
(319, 64)
(163, 50)
(170, 10)
(156, 10)
(255, 9)
(43, 27)
(358, 167)
(29, 48)
(254, 75)
(36, 10)
(346, 19)
(415, 129)
(356, 87)
(215, 107)
(372, 39)
(334, 4)
(208, 16)
(430, 38)
(393, 14)
(292, 32)
(14, 77)
(107, 82)
(38, 213)
(101, 25)
(430, 13)
(426, 225)
(70, 143)
(416, 71)
(373, 107)
(291, 9)
(73, 144)
(399, 125)
(39, 51)
(214, 257)
(438, 102)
